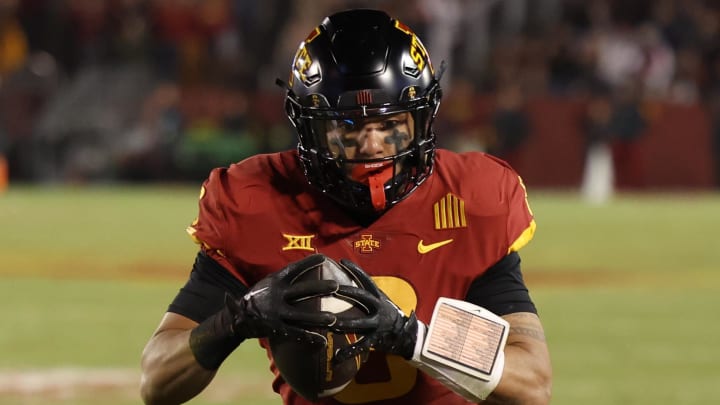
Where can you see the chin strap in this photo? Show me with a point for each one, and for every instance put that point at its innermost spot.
(374, 175)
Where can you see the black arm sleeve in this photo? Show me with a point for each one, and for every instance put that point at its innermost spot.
(501, 288)
(204, 293)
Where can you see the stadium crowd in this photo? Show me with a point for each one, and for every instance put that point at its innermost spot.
(144, 90)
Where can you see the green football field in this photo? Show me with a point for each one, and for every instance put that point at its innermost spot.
(628, 293)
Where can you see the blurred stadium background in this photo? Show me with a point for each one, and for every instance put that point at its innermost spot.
(113, 111)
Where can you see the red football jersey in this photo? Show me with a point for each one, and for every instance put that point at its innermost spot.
(260, 214)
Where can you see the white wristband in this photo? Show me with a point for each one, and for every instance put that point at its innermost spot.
(463, 348)
(421, 332)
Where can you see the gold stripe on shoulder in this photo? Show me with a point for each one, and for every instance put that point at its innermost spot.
(524, 238)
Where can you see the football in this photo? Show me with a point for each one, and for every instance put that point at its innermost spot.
(309, 370)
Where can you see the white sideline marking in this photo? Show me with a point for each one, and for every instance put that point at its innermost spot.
(66, 380)
(71, 382)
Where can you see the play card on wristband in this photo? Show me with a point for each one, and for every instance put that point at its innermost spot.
(465, 337)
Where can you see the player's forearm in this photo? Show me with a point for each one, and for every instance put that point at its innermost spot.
(170, 373)
(527, 376)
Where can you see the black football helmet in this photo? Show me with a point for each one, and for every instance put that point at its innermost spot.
(359, 65)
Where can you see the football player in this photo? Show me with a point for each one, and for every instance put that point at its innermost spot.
(417, 225)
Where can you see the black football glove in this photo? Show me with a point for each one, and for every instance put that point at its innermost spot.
(266, 310)
(386, 328)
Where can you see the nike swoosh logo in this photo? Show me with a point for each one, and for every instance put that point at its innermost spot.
(422, 248)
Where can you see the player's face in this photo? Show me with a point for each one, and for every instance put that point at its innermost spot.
(370, 138)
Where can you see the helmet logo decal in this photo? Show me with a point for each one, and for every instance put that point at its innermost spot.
(449, 212)
(314, 34)
(299, 242)
(364, 97)
(418, 53)
(366, 244)
(402, 27)
(315, 100)
(304, 68)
